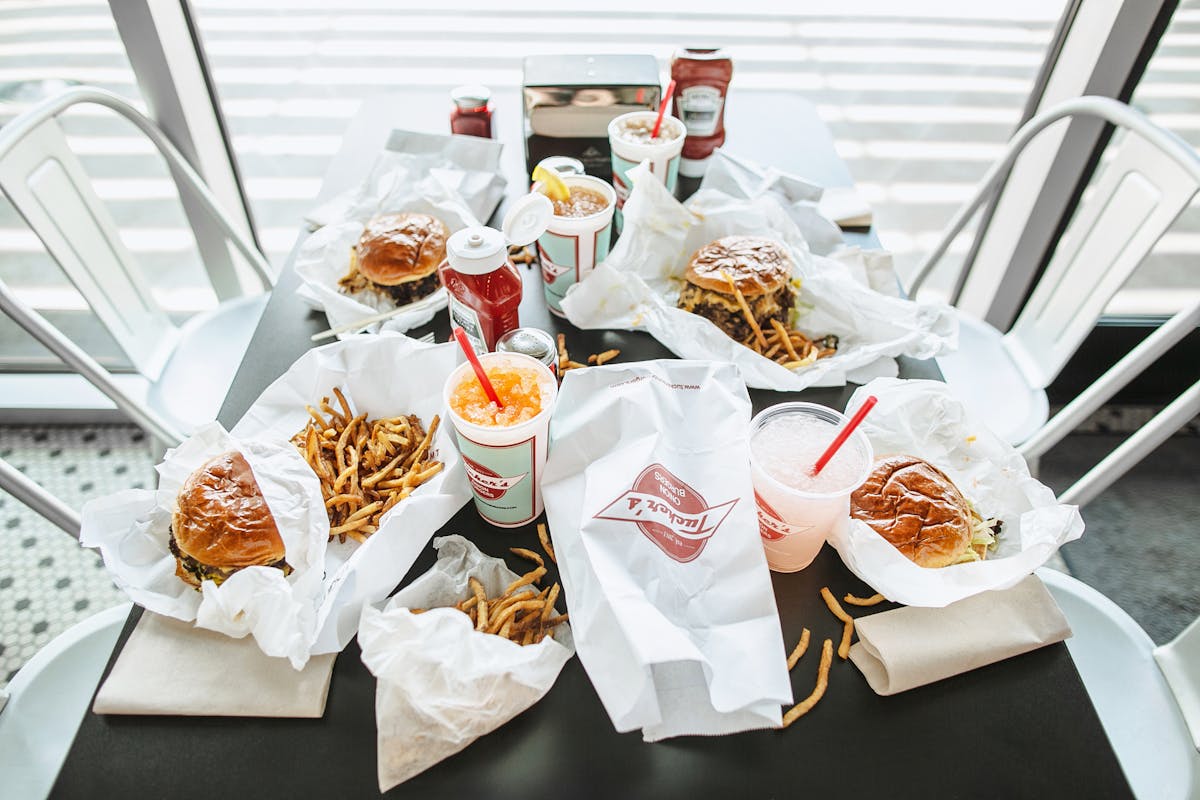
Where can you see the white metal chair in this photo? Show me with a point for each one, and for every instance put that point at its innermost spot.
(185, 370)
(1150, 179)
(47, 700)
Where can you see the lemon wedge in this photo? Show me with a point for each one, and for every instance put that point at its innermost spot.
(552, 184)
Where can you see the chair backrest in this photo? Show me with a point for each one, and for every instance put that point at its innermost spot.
(1149, 180)
(48, 186)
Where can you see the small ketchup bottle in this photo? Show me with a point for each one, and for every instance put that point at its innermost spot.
(483, 284)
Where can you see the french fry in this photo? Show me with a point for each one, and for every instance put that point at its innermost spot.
(758, 334)
(526, 579)
(528, 555)
(481, 615)
(800, 649)
(873, 600)
(544, 537)
(804, 706)
(848, 621)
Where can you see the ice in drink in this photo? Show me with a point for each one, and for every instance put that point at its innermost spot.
(797, 510)
(503, 447)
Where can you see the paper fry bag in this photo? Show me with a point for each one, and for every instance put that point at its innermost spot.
(442, 684)
(652, 514)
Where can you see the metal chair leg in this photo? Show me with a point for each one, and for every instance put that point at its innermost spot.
(31, 494)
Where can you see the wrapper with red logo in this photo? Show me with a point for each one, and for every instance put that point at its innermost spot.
(648, 497)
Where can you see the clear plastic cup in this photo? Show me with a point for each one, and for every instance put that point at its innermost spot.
(504, 464)
(663, 153)
(571, 247)
(797, 512)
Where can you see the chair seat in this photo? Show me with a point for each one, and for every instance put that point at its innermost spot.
(984, 376)
(198, 374)
(48, 698)
(1114, 658)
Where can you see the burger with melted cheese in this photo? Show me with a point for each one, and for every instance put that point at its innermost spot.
(761, 269)
(398, 256)
(918, 509)
(223, 524)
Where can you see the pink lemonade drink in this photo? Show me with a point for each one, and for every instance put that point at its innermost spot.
(797, 511)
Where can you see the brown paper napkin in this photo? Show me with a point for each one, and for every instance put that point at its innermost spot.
(174, 668)
(910, 647)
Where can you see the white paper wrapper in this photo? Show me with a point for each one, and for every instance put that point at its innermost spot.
(653, 519)
(442, 684)
(426, 182)
(637, 286)
(381, 376)
(924, 419)
(131, 530)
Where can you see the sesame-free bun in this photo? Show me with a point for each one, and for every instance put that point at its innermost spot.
(222, 520)
(919, 510)
(398, 248)
(756, 265)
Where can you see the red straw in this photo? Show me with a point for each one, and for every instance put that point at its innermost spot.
(844, 434)
(662, 109)
(463, 342)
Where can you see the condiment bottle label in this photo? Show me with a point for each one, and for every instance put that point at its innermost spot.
(467, 318)
(700, 108)
(503, 479)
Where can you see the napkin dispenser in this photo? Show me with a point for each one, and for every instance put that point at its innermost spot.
(570, 99)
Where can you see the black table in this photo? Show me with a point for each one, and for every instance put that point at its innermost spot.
(1021, 728)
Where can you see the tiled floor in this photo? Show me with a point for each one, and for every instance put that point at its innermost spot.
(47, 582)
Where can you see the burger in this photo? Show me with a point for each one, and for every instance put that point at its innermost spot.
(920, 511)
(760, 269)
(398, 256)
(223, 524)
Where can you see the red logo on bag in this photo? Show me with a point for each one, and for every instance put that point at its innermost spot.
(770, 526)
(487, 483)
(668, 512)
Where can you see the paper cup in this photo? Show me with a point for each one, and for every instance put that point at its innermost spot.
(571, 247)
(663, 155)
(504, 464)
(794, 523)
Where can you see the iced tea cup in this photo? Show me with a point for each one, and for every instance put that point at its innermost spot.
(504, 452)
(796, 510)
(631, 144)
(577, 238)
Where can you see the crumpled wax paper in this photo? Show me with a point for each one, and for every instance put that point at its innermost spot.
(925, 419)
(442, 684)
(381, 376)
(637, 286)
(448, 183)
(131, 530)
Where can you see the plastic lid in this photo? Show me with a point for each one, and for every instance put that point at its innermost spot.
(476, 251)
(528, 218)
(471, 96)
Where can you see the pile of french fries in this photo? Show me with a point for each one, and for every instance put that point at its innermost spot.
(783, 345)
(565, 362)
(365, 466)
(521, 613)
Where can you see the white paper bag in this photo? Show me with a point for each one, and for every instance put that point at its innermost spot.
(637, 286)
(925, 419)
(428, 180)
(381, 376)
(442, 684)
(131, 530)
(652, 514)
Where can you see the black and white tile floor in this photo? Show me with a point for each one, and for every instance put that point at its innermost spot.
(47, 582)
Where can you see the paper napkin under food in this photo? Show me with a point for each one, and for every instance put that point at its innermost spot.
(637, 286)
(436, 175)
(653, 520)
(132, 530)
(442, 684)
(905, 648)
(382, 376)
(925, 419)
(171, 667)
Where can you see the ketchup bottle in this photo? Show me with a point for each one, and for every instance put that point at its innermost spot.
(483, 285)
(701, 82)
